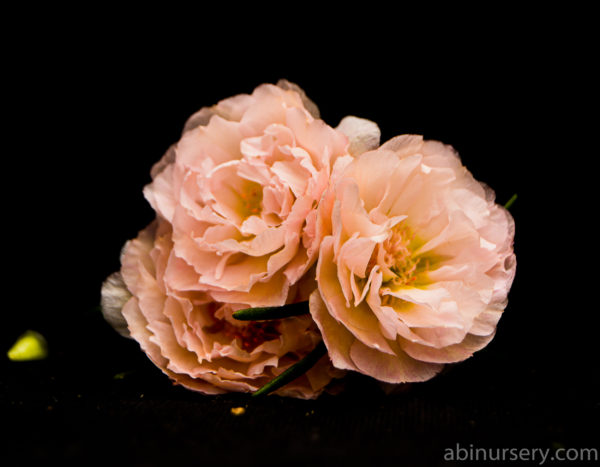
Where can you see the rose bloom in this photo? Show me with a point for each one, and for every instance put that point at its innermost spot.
(236, 201)
(241, 189)
(195, 340)
(417, 264)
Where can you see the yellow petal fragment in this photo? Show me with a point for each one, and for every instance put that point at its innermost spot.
(238, 411)
(30, 346)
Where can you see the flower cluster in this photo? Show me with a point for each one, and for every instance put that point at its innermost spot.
(403, 259)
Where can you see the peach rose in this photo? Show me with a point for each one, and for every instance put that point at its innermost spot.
(236, 201)
(241, 189)
(195, 340)
(417, 266)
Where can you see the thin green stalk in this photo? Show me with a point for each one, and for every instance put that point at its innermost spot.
(272, 312)
(511, 201)
(295, 371)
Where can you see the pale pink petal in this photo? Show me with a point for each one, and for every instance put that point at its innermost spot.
(293, 175)
(137, 327)
(164, 162)
(308, 104)
(359, 320)
(269, 107)
(449, 354)
(355, 254)
(404, 145)
(485, 323)
(195, 149)
(233, 108)
(272, 293)
(199, 118)
(336, 337)
(399, 368)
(363, 135)
(353, 216)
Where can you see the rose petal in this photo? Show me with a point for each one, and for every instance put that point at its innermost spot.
(399, 368)
(363, 135)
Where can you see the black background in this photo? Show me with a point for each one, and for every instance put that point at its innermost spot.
(90, 112)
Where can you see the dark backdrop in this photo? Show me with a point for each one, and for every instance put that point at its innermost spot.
(87, 118)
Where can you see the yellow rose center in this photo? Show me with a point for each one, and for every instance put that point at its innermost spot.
(399, 257)
(399, 261)
(251, 199)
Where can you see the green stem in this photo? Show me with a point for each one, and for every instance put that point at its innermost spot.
(272, 312)
(511, 201)
(295, 371)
